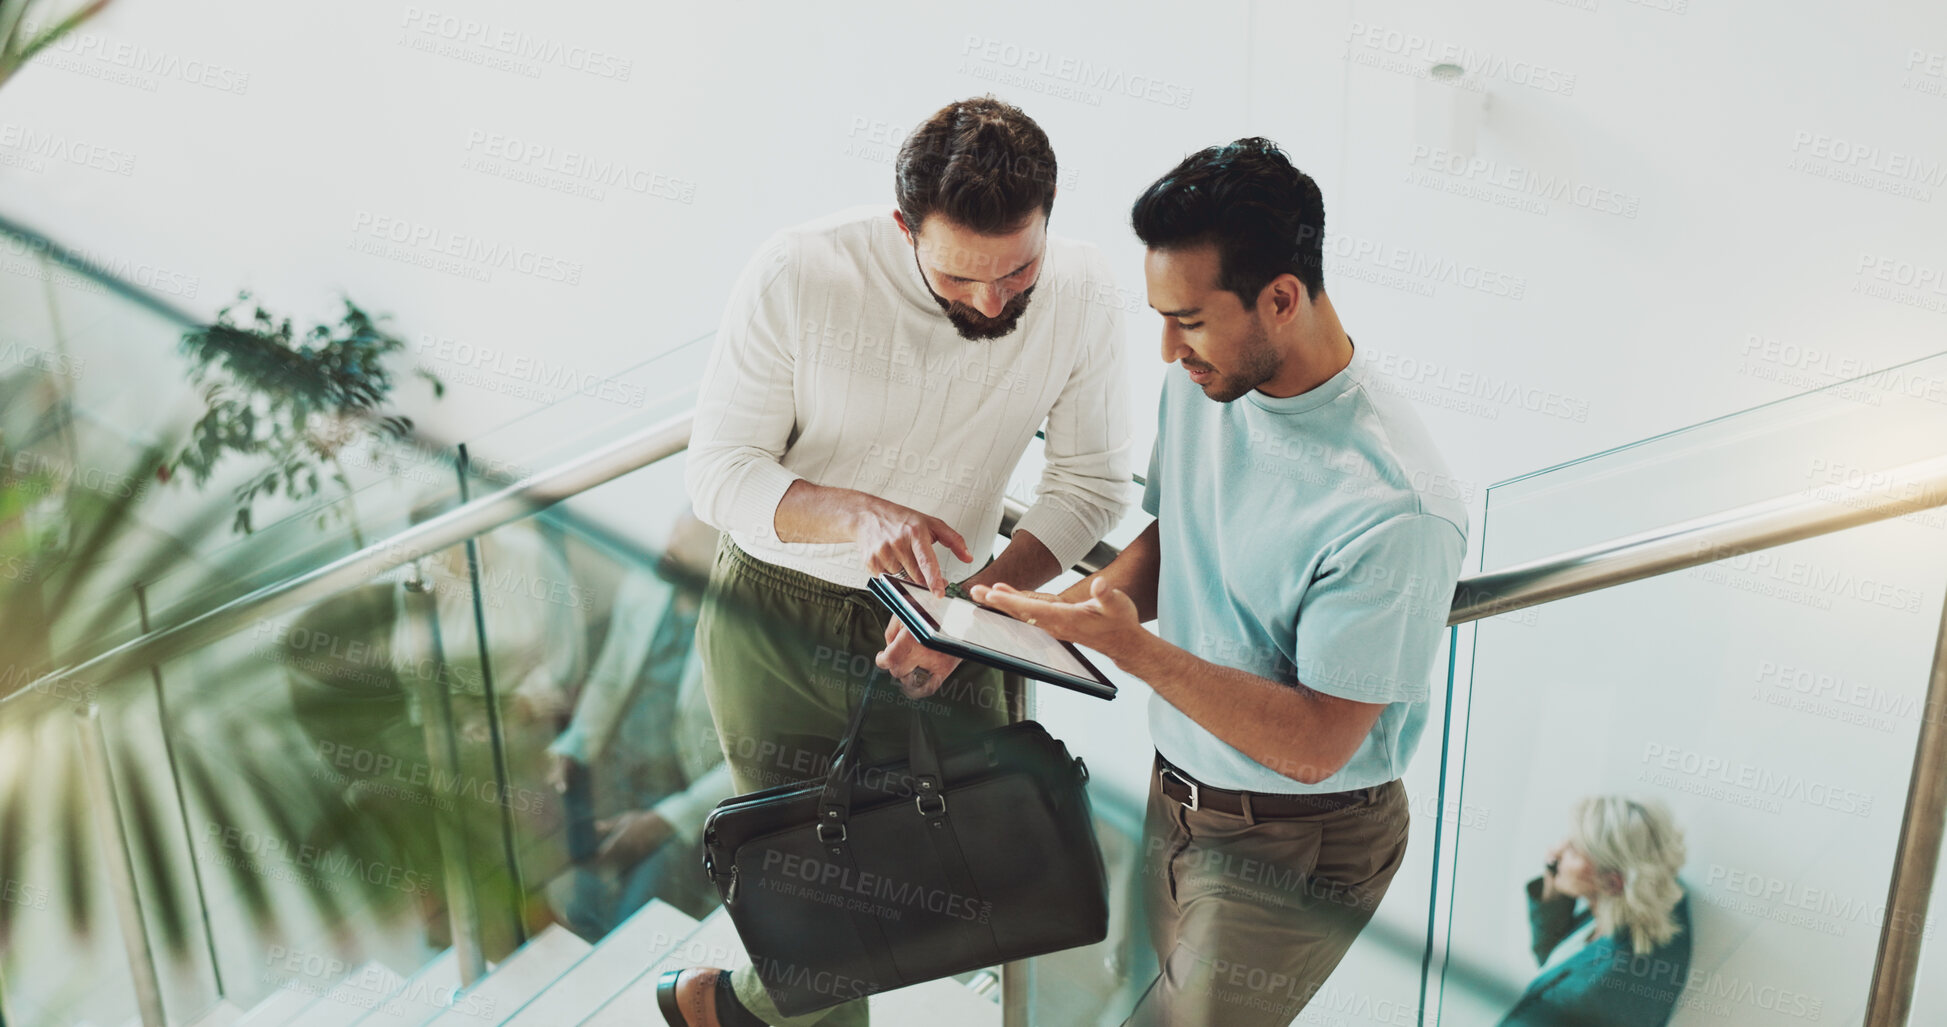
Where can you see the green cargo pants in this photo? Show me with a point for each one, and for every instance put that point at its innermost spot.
(785, 657)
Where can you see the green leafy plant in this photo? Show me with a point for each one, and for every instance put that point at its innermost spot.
(297, 400)
(22, 37)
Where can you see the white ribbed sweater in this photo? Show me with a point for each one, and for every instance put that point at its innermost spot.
(834, 364)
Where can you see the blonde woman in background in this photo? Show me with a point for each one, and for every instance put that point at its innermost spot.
(1610, 920)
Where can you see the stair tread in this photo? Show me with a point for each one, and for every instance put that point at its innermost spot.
(713, 943)
(537, 964)
(609, 967)
(223, 1014)
(349, 999)
(428, 993)
(942, 1003)
(277, 1008)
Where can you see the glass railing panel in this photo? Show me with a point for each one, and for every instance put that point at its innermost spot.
(1836, 443)
(1755, 696)
(81, 435)
(389, 485)
(322, 820)
(323, 825)
(1770, 703)
(611, 755)
(148, 781)
(198, 562)
(335, 818)
(587, 734)
(95, 403)
(1930, 989)
(424, 482)
(62, 955)
(99, 355)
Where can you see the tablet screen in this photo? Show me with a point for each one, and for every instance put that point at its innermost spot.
(974, 624)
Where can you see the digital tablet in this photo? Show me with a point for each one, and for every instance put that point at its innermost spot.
(975, 632)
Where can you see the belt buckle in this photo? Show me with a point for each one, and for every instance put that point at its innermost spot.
(1195, 797)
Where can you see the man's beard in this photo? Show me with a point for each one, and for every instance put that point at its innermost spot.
(973, 325)
(1259, 363)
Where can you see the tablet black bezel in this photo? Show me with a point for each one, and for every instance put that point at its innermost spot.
(891, 592)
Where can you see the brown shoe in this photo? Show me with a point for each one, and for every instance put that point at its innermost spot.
(669, 999)
(713, 1003)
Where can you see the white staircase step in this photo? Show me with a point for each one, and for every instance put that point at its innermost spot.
(430, 992)
(537, 964)
(277, 1008)
(942, 1003)
(359, 993)
(620, 958)
(223, 1014)
(713, 943)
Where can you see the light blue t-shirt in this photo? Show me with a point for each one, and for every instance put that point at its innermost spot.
(1314, 538)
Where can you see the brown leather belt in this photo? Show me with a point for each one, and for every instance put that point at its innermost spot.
(1263, 805)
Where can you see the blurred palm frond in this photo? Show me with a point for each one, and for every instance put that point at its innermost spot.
(22, 37)
(238, 734)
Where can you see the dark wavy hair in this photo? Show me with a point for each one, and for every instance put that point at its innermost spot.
(982, 163)
(1265, 217)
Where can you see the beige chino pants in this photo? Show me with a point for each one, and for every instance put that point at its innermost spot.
(1249, 917)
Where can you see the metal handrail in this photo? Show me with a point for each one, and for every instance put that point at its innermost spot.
(1733, 532)
(1745, 529)
(477, 517)
(39, 243)
(468, 520)
(1916, 857)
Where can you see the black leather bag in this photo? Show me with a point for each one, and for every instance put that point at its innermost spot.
(882, 876)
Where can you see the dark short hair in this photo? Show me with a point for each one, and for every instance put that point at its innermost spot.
(982, 163)
(1265, 217)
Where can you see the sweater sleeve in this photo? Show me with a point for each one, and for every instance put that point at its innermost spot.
(745, 409)
(1084, 487)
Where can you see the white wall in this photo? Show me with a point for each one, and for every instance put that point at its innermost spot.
(1708, 250)
(1641, 324)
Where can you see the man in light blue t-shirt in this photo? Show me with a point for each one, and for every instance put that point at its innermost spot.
(1300, 569)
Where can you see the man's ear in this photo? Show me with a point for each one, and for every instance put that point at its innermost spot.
(899, 218)
(1286, 295)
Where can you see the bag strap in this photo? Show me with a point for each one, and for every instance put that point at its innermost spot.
(835, 801)
(879, 952)
(931, 802)
(923, 757)
(834, 810)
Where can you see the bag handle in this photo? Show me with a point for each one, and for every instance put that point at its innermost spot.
(924, 763)
(834, 809)
(850, 741)
(835, 801)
